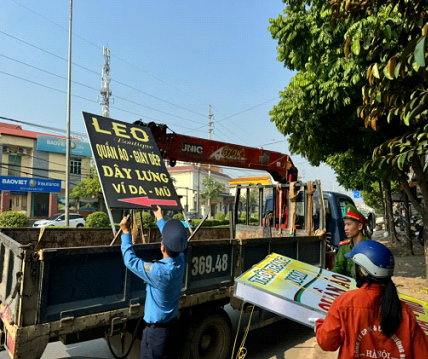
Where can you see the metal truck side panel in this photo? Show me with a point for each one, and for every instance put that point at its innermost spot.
(11, 277)
(81, 281)
(209, 265)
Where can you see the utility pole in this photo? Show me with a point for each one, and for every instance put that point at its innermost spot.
(209, 166)
(67, 147)
(105, 82)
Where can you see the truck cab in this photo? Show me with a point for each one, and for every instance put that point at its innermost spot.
(335, 207)
(335, 204)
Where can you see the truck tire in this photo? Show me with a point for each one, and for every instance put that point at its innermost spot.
(209, 336)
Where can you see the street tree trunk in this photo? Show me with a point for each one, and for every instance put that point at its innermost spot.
(421, 179)
(382, 197)
(388, 207)
(409, 243)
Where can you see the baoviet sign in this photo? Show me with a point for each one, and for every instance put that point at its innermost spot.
(29, 184)
(131, 170)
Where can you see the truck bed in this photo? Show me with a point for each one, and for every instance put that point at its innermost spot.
(72, 281)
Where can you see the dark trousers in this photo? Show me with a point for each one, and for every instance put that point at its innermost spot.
(157, 342)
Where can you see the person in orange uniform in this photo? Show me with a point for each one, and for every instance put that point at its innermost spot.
(354, 225)
(371, 321)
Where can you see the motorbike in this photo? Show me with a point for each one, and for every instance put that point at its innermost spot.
(418, 227)
(399, 222)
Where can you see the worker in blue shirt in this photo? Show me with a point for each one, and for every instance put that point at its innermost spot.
(164, 280)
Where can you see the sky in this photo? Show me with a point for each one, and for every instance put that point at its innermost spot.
(169, 61)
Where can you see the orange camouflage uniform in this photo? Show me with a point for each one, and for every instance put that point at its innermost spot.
(353, 324)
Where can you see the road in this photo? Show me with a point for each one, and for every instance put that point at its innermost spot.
(281, 340)
(92, 349)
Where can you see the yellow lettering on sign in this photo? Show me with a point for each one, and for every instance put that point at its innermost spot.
(119, 130)
(144, 138)
(97, 126)
(108, 172)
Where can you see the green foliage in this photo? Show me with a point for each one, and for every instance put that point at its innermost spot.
(88, 188)
(227, 216)
(395, 96)
(13, 219)
(373, 198)
(178, 216)
(256, 216)
(348, 167)
(218, 222)
(211, 189)
(318, 108)
(210, 222)
(253, 199)
(243, 215)
(148, 221)
(195, 222)
(98, 220)
(220, 216)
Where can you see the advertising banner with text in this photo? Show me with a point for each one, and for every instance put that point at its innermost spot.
(131, 171)
(278, 279)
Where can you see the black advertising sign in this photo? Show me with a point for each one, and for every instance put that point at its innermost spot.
(130, 167)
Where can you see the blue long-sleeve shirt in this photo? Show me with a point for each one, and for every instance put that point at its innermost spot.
(164, 280)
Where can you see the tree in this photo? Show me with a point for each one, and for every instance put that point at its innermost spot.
(253, 199)
(373, 198)
(392, 35)
(318, 108)
(89, 188)
(210, 190)
(349, 168)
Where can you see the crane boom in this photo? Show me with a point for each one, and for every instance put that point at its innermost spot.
(177, 147)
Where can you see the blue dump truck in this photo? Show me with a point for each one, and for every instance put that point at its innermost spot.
(70, 285)
(335, 207)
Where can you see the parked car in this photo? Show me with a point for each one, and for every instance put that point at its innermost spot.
(192, 215)
(74, 220)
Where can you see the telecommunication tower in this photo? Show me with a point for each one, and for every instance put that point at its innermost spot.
(105, 81)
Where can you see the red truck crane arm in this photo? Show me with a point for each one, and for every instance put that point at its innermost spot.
(176, 147)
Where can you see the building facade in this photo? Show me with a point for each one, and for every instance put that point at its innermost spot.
(188, 181)
(32, 176)
(254, 193)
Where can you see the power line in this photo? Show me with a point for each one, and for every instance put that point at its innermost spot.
(249, 109)
(45, 177)
(272, 143)
(36, 168)
(243, 141)
(157, 98)
(241, 128)
(123, 84)
(47, 52)
(98, 47)
(239, 113)
(95, 89)
(81, 134)
(86, 99)
(46, 86)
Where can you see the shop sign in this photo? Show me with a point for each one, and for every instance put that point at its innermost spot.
(29, 184)
(58, 145)
(131, 170)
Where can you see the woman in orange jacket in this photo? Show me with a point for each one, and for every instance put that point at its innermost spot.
(371, 321)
